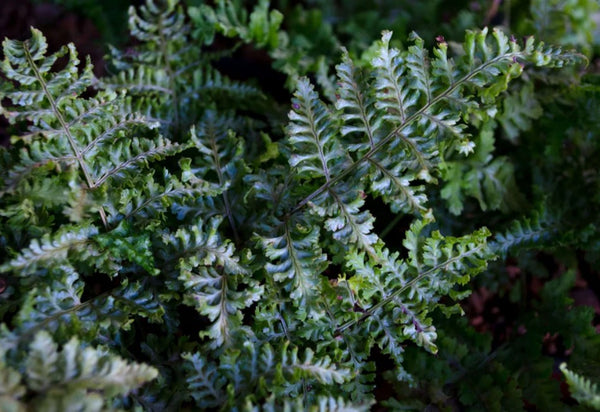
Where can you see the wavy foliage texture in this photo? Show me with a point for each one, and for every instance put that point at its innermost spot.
(171, 240)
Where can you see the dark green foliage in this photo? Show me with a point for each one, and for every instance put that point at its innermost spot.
(166, 226)
(109, 17)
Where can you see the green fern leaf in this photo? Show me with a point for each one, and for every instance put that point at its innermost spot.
(523, 234)
(266, 370)
(50, 250)
(321, 404)
(519, 109)
(488, 179)
(205, 382)
(76, 368)
(417, 130)
(298, 260)
(59, 307)
(260, 27)
(312, 133)
(582, 389)
(211, 275)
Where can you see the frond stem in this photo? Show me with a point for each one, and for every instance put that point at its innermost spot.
(228, 212)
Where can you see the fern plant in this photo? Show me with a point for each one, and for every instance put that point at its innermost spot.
(154, 216)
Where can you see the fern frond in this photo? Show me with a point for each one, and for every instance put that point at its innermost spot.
(260, 27)
(321, 404)
(50, 250)
(168, 76)
(566, 23)
(211, 276)
(394, 97)
(205, 382)
(75, 377)
(524, 234)
(12, 388)
(312, 129)
(407, 288)
(582, 389)
(149, 70)
(321, 370)
(80, 368)
(361, 115)
(250, 369)
(296, 260)
(65, 130)
(419, 66)
(357, 104)
(347, 222)
(200, 246)
(214, 294)
(210, 85)
(26, 63)
(60, 306)
(41, 306)
(153, 22)
(482, 176)
(519, 109)
(146, 198)
(126, 156)
(213, 137)
(418, 128)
